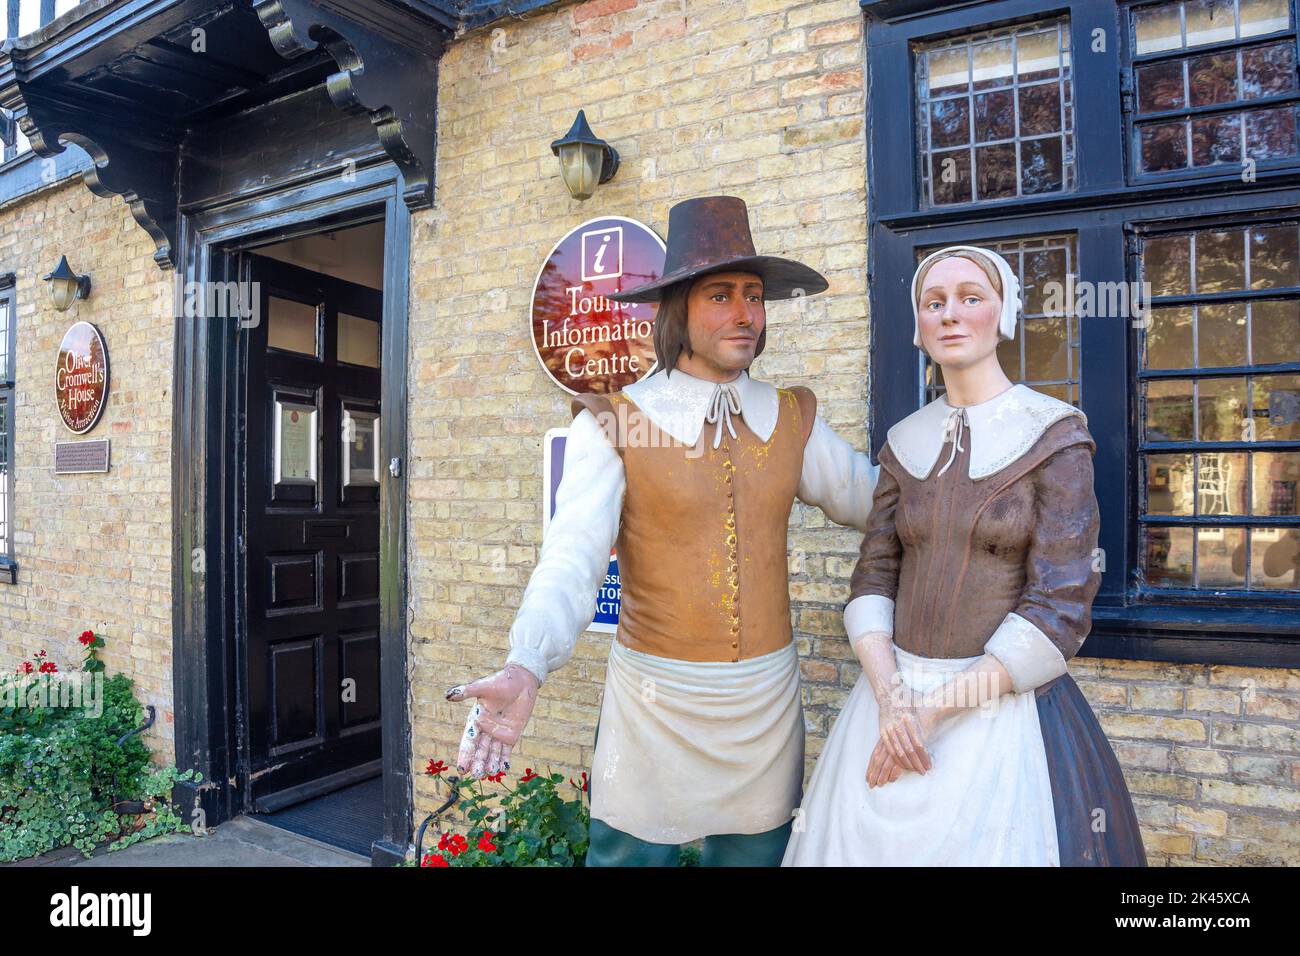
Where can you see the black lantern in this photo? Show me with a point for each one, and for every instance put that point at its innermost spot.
(585, 160)
(66, 286)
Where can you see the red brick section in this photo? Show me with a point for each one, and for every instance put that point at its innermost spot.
(586, 51)
(600, 8)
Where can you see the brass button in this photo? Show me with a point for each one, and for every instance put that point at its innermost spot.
(731, 541)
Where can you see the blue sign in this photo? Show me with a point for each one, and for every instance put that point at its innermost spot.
(607, 601)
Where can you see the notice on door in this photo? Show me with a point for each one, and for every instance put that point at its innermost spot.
(295, 444)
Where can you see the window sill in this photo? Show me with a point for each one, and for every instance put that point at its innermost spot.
(1238, 636)
(8, 571)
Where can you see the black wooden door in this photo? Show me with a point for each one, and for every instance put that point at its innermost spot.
(311, 533)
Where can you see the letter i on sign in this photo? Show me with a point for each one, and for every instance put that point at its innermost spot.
(600, 253)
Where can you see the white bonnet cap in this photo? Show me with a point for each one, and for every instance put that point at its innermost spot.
(1010, 291)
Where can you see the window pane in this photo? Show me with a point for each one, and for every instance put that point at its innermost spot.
(1276, 407)
(1222, 483)
(1220, 409)
(292, 326)
(1169, 411)
(1267, 70)
(1161, 86)
(1221, 557)
(1169, 338)
(1170, 485)
(1168, 553)
(997, 111)
(1157, 29)
(358, 340)
(1275, 331)
(1259, 17)
(1167, 264)
(1275, 476)
(1274, 256)
(1275, 558)
(1221, 334)
(1220, 261)
(1209, 21)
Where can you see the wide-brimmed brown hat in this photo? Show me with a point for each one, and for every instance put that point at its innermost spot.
(711, 234)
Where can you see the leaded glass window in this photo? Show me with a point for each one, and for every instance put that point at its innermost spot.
(996, 114)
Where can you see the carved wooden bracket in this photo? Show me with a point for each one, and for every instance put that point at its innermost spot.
(130, 90)
(129, 162)
(388, 69)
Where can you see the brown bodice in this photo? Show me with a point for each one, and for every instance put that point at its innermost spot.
(956, 555)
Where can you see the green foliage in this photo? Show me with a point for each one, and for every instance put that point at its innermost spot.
(531, 825)
(61, 768)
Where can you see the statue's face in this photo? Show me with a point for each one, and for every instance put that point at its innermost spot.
(958, 313)
(724, 318)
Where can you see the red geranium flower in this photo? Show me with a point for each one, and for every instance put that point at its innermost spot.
(528, 775)
(433, 859)
(435, 767)
(485, 843)
(453, 843)
(25, 667)
(49, 667)
(496, 777)
(87, 637)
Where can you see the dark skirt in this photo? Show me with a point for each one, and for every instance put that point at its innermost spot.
(1086, 779)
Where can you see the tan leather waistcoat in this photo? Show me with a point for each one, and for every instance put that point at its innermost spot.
(702, 545)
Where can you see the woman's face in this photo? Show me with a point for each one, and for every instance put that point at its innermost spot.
(958, 313)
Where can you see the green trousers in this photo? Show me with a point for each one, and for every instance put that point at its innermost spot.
(610, 847)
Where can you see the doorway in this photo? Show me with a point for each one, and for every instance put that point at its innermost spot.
(275, 747)
(307, 570)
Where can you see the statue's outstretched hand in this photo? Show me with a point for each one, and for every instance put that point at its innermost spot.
(504, 702)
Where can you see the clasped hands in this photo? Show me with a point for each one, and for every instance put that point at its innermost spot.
(905, 727)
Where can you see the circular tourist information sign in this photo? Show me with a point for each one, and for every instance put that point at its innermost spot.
(81, 377)
(586, 342)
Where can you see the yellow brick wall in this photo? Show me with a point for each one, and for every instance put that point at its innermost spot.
(764, 100)
(93, 550)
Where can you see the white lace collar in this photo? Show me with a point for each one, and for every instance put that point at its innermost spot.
(1000, 430)
(678, 403)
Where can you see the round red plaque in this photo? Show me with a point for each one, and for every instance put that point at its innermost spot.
(586, 342)
(81, 377)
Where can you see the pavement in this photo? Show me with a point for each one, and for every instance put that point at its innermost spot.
(242, 841)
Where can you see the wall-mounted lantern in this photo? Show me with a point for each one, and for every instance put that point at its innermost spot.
(585, 161)
(66, 286)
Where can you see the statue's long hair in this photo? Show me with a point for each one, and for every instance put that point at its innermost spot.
(670, 335)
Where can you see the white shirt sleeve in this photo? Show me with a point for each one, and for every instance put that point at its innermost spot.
(837, 478)
(560, 600)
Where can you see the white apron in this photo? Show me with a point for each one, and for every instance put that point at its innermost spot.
(687, 749)
(986, 800)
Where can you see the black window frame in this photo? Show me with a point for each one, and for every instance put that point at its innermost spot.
(1106, 211)
(8, 564)
(1225, 173)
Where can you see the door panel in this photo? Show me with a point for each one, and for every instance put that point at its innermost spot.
(311, 531)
